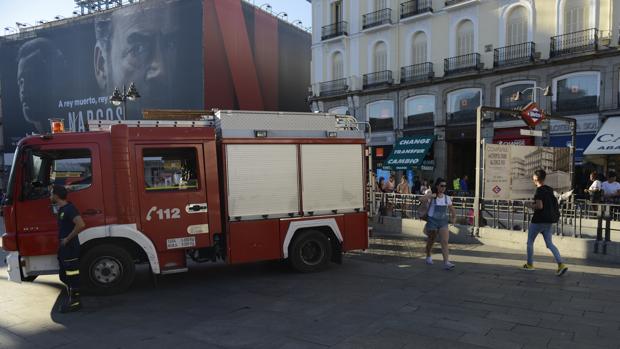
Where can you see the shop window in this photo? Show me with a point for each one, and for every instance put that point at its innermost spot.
(576, 93)
(506, 93)
(419, 111)
(381, 115)
(462, 105)
(339, 110)
(71, 168)
(170, 169)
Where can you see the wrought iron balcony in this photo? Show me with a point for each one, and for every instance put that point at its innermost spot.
(378, 78)
(415, 7)
(333, 87)
(377, 18)
(514, 54)
(334, 30)
(576, 42)
(462, 63)
(416, 72)
(577, 105)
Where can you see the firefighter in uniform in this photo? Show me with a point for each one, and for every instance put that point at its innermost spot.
(70, 224)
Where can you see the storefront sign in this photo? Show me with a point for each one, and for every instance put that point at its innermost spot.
(511, 136)
(585, 124)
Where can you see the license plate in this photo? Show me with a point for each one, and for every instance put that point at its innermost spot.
(181, 242)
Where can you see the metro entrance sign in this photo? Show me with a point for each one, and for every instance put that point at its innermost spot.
(532, 114)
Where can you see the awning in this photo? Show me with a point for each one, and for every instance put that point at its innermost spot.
(409, 152)
(607, 140)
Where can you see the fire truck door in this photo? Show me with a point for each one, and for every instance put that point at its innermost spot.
(77, 168)
(173, 195)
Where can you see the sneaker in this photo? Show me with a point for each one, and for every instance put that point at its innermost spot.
(528, 267)
(448, 266)
(429, 260)
(561, 269)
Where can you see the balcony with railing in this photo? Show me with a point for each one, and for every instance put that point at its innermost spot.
(416, 72)
(334, 30)
(514, 54)
(576, 42)
(377, 18)
(461, 64)
(333, 87)
(415, 7)
(379, 78)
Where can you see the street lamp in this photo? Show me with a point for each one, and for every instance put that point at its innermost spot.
(117, 98)
(298, 22)
(546, 92)
(58, 17)
(284, 14)
(9, 29)
(267, 7)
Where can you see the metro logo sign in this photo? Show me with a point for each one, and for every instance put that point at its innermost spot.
(532, 114)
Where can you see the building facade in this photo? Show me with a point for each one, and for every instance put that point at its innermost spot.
(423, 67)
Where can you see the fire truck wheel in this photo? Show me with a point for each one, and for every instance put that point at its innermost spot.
(310, 251)
(107, 269)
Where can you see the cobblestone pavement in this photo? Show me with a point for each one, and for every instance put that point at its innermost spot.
(385, 297)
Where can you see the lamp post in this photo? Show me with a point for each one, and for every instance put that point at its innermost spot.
(546, 92)
(117, 98)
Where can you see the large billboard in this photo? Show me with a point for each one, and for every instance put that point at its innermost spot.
(508, 170)
(181, 54)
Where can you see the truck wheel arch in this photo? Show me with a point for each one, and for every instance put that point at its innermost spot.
(318, 224)
(124, 231)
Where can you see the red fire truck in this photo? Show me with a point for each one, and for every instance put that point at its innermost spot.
(233, 186)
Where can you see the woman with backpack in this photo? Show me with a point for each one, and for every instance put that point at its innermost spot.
(546, 213)
(439, 206)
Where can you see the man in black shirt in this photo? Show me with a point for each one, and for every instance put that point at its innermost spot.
(545, 206)
(70, 224)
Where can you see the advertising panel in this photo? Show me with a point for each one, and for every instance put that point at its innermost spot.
(508, 170)
(181, 54)
(69, 70)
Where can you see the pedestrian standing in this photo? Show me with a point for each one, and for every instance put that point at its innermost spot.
(70, 224)
(546, 212)
(439, 206)
(611, 188)
(595, 189)
(403, 188)
(464, 184)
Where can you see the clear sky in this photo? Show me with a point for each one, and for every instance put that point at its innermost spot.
(31, 11)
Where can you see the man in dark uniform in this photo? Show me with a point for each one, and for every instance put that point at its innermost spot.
(70, 224)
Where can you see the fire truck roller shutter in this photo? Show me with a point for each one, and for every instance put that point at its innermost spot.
(127, 231)
(262, 180)
(332, 178)
(297, 226)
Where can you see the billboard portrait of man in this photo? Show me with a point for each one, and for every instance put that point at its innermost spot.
(39, 64)
(157, 46)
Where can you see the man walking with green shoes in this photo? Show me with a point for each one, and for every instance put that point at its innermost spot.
(546, 213)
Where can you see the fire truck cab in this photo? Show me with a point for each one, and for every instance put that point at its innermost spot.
(233, 186)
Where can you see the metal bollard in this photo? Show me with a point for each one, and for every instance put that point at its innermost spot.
(599, 227)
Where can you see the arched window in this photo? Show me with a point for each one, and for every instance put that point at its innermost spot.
(465, 38)
(380, 57)
(576, 15)
(517, 26)
(380, 5)
(576, 93)
(381, 115)
(337, 66)
(462, 105)
(418, 111)
(506, 93)
(419, 46)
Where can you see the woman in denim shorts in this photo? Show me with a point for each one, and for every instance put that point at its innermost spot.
(439, 206)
